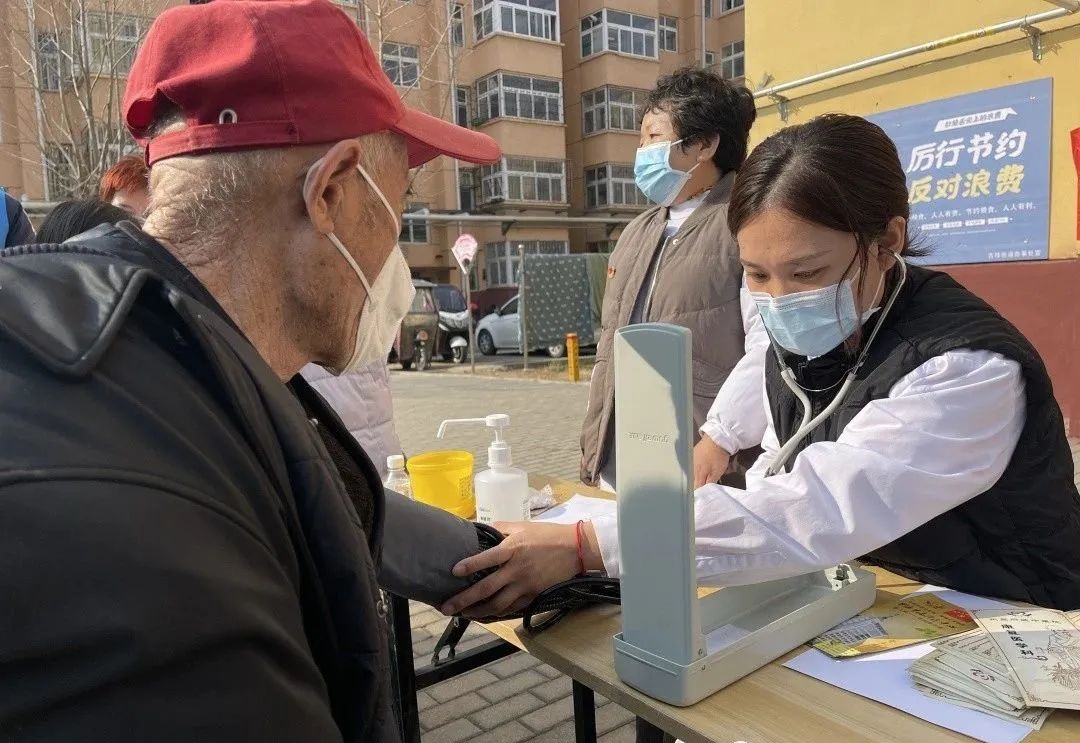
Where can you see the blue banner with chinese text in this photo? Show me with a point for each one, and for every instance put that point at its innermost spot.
(978, 172)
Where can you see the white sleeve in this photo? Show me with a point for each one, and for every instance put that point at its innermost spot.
(736, 420)
(944, 435)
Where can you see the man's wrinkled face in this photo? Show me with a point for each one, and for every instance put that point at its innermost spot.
(133, 201)
(375, 230)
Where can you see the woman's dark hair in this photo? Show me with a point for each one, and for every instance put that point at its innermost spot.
(839, 171)
(71, 218)
(703, 105)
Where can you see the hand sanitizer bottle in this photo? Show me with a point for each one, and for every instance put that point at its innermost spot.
(502, 491)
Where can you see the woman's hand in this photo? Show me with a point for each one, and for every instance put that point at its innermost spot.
(534, 556)
(710, 462)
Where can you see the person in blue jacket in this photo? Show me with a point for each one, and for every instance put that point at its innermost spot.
(15, 227)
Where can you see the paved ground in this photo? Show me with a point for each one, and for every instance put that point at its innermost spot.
(516, 699)
(510, 360)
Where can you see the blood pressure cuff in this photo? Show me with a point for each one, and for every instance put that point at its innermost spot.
(421, 545)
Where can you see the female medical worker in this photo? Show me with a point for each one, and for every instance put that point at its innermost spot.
(910, 425)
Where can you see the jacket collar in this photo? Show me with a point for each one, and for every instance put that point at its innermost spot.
(66, 303)
(718, 196)
(135, 246)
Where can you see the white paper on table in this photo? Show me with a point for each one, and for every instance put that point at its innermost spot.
(578, 508)
(884, 677)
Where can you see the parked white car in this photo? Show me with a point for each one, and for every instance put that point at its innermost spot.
(501, 331)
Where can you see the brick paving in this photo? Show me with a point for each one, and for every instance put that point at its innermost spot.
(517, 699)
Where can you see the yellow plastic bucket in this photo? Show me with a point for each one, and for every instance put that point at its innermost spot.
(444, 479)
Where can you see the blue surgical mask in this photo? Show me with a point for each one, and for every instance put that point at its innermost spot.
(655, 176)
(814, 322)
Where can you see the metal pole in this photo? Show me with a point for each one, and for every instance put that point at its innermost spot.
(978, 33)
(703, 65)
(584, 713)
(572, 350)
(521, 306)
(404, 680)
(468, 305)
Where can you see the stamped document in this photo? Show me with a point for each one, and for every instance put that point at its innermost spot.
(895, 623)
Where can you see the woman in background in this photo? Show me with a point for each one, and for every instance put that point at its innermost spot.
(678, 263)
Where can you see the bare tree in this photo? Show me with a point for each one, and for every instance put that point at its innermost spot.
(73, 56)
(421, 58)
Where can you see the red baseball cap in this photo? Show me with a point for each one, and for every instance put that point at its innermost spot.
(251, 74)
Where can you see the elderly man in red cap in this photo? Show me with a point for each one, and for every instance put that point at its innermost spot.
(190, 536)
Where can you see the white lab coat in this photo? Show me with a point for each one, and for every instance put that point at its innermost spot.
(944, 435)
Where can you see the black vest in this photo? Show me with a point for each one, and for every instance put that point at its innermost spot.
(1020, 539)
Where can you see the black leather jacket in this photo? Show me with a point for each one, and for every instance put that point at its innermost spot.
(180, 559)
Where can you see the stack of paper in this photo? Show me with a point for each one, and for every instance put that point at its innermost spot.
(1019, 665)
(968, 671)
(884, 677)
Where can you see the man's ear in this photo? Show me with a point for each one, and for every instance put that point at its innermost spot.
(324, 185)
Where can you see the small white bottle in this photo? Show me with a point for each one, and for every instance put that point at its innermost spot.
(502, 491)
(396, 477)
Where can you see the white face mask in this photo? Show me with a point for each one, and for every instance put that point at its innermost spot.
(389, 298)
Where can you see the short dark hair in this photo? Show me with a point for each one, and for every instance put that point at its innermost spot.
(703, 105)
(839, 171)
(70, 218)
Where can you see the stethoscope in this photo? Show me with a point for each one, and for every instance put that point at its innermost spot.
(808, 425)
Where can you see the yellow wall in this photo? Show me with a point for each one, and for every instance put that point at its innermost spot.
(852, 30)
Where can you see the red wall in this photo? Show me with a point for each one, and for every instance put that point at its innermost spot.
(1041, 299)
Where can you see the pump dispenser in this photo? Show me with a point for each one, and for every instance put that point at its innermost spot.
(502, 491)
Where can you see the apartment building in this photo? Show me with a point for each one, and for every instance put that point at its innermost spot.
(558, 84)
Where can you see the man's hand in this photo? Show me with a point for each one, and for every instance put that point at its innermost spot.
(534, 556)
(710, 462)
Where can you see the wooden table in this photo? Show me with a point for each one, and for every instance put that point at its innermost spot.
(772, 705)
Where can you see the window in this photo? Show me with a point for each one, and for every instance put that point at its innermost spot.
(423, 301)
(524, 179)
(457, 25)
(616, 31)
(710, 59)
(726, 6)
(733, 61)
(413, 230)
(708, 9)
(48, 49)
(461, 106)
(113, 39)
(117, 143)
(502, 260)
(467, 189)
(538, 19)
(60, 173)
(450, 299)
(518, 97)
(401, 62)
(669, 34)
(612, 184)
(617, 109)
